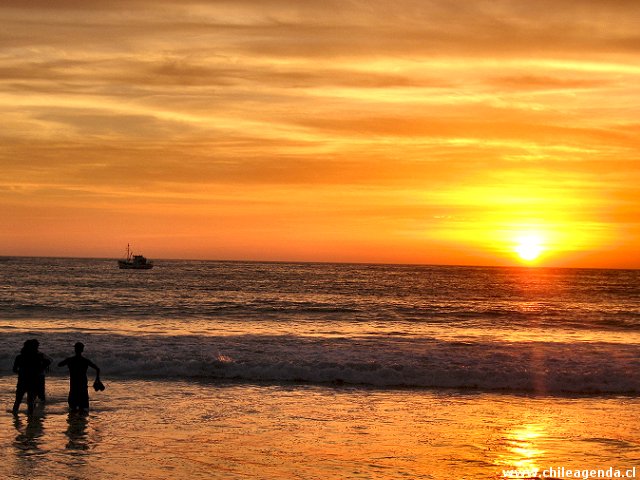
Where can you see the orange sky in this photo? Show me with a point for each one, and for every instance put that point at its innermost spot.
(409, 131)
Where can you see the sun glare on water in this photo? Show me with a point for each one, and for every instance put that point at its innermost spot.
(529, 247)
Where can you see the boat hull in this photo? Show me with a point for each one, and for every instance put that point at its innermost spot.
(133, 266)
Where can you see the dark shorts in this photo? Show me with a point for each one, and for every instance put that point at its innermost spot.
(30, 387)
(79, 397)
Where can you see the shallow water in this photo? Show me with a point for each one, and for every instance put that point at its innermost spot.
(173, 429)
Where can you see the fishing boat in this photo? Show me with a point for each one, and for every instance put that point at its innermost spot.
(134, 262)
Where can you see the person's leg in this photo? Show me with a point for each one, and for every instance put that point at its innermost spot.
(83, 400)
(41, 389)
(75, 399)
(20, 391)
(31, 401)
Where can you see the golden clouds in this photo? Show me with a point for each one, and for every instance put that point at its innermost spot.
(384, 126)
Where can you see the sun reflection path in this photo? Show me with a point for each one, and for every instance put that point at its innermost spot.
(521, 448)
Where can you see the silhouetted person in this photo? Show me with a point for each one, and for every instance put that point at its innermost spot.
(45, 362)
(29, 365)
(78, 383)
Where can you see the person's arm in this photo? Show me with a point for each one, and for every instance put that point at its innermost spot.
(63, 362)
(95, 367)
(46, 364)
(16, 364)
(46, 361)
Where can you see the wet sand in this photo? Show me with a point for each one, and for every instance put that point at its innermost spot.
(172, 429)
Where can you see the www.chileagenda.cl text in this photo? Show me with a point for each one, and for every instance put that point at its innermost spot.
(563, 472)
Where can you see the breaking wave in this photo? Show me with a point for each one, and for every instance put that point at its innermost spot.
(393, 361)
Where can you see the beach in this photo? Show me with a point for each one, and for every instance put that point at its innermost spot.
(173, 429)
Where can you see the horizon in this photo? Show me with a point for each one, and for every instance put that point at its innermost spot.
(319, 262)
(430, 132)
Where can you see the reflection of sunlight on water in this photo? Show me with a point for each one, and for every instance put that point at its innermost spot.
(522, 447)
(230, 328)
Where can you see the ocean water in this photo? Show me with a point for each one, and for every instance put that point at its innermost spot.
(235, 370)
(519, 330)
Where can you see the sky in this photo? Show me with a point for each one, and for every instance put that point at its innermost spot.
(412, 131)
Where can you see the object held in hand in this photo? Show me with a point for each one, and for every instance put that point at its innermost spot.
(97, 385)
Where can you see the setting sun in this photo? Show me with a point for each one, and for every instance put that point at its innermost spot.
(529, 247)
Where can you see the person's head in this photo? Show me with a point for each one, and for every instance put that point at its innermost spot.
(30, 346)
(79, 348)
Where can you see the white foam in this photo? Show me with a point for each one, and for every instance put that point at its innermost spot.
(391, 361)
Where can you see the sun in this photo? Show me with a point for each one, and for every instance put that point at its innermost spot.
(529, 246)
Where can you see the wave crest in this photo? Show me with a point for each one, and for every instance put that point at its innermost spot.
(389, 362)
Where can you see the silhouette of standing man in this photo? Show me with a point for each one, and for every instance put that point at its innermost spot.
(78, 383)
(29, 365)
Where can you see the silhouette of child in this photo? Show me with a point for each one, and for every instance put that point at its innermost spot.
(78, 383)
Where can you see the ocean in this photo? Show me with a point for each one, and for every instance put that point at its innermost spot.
(313, 370)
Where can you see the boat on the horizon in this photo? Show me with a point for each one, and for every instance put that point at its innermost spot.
(134, 262)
